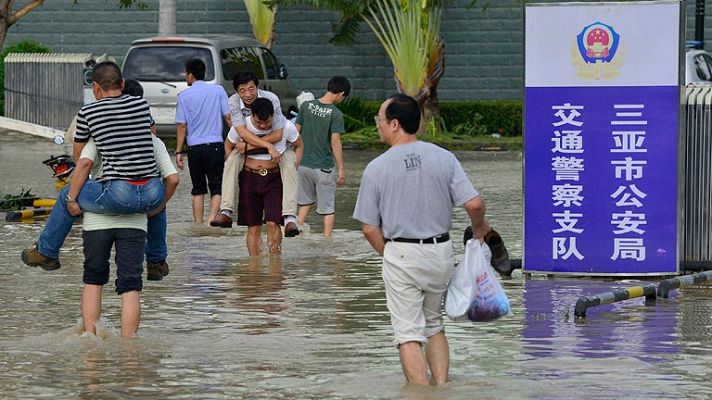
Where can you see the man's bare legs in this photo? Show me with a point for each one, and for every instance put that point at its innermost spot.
(91, 307)
(214, 207)
(302, 214)
(253, 240)
(130, 313)
(274, 238)
(130, 310)
(198, 208)
(437, 353)
(413, 363)
(328, 220)
(328, 225)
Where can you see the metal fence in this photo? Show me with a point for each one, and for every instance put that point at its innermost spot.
(44, 89)
(698, 175)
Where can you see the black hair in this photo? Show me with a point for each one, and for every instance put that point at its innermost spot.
(242, 78)
(338, 84)
(132, 88)
(195, 67)
(262, 109)
(405, 110)
(107, 74)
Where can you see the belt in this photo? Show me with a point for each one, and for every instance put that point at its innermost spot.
(261, 171)
(435, 239)
(197, 146)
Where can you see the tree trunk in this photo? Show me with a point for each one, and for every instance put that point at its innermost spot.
(431, 109)
(429, 104)
(166, 17)
(9, 18)
(273, 35)
(3, 33)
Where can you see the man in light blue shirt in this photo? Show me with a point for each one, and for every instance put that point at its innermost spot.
(199, 114)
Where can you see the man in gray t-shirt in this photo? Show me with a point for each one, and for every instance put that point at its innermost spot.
(405, 204)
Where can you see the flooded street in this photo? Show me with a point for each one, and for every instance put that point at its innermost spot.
(313, 324)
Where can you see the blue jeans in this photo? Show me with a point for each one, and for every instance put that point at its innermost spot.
(113, 197)
(156, 249)
(121, 197)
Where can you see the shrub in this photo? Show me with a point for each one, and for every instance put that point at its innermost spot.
(25, 46)
(473, 117)
(472, 128)
(358, 113)
(499, 116)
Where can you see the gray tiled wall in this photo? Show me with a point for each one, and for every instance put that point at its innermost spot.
(483, 48)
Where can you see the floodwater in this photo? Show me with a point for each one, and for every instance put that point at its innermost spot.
(312, 324)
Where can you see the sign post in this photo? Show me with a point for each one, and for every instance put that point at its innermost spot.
(602, 105)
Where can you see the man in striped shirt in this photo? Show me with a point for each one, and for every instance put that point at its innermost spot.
(45, 253)
(121, 128)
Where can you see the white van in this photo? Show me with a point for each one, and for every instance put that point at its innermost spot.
(158, 64)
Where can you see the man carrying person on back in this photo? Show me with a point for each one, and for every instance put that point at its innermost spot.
(120, 126)
(199, 114)
(127, 234)
(260, 181)
(405, 204)
(246, 92)
(321, 124)
(60, 221)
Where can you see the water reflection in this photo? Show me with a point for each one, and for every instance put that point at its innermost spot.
(626, 329)
(258, 286)
(313, 323)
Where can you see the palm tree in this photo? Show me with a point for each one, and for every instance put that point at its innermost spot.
(262, 18)
(409, 32)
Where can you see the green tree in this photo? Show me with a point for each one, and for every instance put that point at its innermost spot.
(408, 30)
(10, 14)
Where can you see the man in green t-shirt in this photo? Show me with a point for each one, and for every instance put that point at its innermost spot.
(320, 125)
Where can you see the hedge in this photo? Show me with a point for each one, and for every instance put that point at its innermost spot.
(475, 116)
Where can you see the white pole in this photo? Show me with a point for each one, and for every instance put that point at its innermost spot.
(166, 17)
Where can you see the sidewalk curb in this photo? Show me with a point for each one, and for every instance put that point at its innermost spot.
(29, 128)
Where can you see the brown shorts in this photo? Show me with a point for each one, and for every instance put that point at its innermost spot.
(260, 198)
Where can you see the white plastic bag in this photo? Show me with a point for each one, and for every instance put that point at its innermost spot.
(474, 292)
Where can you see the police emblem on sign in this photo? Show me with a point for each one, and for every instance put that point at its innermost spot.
(598, 42)
(596, 53)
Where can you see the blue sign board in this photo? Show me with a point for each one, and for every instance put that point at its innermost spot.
(601, 144)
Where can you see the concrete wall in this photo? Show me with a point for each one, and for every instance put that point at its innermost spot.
(483, 48)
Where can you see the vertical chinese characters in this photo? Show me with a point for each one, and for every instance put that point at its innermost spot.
(567, 163)
(629, 218)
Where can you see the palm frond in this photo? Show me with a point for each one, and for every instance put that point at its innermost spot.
(262, 18)
(398, 27)
(345, 31)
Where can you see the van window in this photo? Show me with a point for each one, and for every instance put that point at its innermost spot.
(165, 63)
(240, 59)
(271, 65)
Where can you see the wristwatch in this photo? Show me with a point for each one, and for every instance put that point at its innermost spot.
(69, 199)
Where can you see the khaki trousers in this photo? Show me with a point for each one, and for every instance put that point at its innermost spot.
(287, 169)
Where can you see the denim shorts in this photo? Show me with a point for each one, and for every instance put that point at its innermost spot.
(129, 257)
(118, 196)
